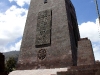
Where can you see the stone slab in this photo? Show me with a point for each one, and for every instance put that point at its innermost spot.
(43, 28)
(38, 71)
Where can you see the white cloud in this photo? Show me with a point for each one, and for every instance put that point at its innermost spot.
(11, 25)
(21, 2)
(97, 55)
(96, 47)
(16, 46)
(90, 30)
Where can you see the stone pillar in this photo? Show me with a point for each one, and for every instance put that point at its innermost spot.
(85, 52)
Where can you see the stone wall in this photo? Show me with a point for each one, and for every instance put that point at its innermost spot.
(51, 37)
(85, 52)
(82, 70)
(57, 51)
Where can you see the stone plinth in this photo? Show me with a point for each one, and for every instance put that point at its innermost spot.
(82, 70)
(38, 72)
(72, 70)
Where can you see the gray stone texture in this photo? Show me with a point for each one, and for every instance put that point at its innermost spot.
(90, 69)
(59, 53)
(62, 50)
(85, 52)
(43, 32)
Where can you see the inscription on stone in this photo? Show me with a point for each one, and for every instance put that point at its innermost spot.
(43, 32)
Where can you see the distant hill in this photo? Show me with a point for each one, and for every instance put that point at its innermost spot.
(14, 54)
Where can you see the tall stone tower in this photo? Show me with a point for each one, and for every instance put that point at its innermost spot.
(51, 35)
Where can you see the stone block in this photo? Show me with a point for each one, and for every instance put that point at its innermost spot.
(85, 55)
(38, 71)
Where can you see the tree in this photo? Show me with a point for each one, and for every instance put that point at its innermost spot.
(10, 64)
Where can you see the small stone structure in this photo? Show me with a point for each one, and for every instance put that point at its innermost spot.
(85, 52)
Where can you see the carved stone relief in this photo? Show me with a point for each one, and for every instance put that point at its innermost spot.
(43, 32)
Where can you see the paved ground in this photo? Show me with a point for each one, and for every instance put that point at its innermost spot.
(38, 72)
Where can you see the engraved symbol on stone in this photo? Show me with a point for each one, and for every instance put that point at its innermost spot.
(41, 54)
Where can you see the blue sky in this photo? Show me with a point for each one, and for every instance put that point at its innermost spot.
(85, 10)
(13, 15)
(88, 24)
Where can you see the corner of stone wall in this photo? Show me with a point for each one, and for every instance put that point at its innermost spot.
(85, 55)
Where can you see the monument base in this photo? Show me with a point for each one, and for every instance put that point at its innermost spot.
(72, 70)
(38, 71)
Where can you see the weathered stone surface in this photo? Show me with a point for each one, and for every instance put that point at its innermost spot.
(56, 20)
(98, 72)
(85, 52)
(62, 49)
(43, 32)
(81, 70)
(72, 70)
(38, 72)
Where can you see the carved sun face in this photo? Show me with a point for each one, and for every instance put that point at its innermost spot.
(41, 54)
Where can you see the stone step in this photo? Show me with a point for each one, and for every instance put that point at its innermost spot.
(38, 71)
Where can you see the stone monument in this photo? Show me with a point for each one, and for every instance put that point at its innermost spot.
(51, 37)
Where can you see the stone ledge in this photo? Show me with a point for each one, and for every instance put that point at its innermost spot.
(38, 71)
